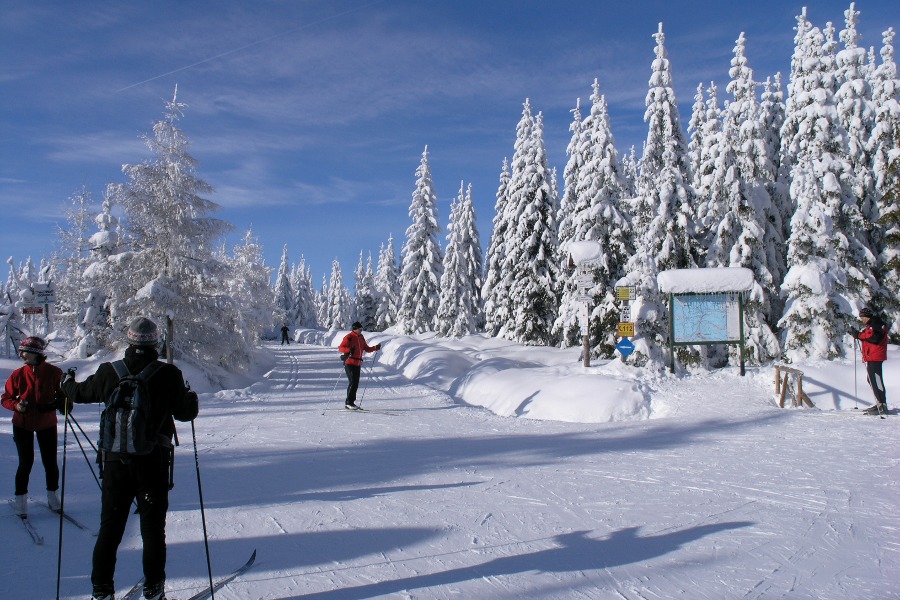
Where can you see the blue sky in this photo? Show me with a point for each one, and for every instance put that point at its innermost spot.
(309, 118)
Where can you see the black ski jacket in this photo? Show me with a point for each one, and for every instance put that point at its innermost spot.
(166, 387)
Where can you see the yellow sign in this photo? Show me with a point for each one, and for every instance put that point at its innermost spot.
(625, 292)
(626, 329)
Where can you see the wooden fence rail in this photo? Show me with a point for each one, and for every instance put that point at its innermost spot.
(781, 386)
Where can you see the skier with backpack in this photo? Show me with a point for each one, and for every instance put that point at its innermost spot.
(142, 397)
(32, 393)
(874, 338)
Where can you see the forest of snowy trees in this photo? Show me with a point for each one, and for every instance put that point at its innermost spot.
(798, 182)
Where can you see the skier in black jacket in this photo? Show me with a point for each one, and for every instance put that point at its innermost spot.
(145, 477)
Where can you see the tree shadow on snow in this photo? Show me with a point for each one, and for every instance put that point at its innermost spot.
(573, 552)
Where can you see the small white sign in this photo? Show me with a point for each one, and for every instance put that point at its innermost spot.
(625, 313)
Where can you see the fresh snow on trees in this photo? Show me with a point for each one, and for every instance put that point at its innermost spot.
(494, 292)
(248, 286)
(168, 270)
(595, 212)
(830, 270)
(283, 295)
(365, 302)
(530, 269)
(387, 287)
(337, 303)
(663, 211)
(420, 275)
(460, 310)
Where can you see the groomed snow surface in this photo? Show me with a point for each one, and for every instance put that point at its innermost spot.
(487, 470)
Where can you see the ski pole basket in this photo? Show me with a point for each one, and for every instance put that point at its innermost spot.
(782, 373)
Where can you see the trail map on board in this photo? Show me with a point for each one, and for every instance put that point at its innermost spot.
(706, 318)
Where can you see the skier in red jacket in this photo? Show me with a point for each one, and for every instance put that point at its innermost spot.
(874, 338)
(352, 348)
(32, 393)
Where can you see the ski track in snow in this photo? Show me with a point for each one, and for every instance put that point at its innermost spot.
(724, 498)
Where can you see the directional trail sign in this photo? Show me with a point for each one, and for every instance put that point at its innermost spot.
(625, 347)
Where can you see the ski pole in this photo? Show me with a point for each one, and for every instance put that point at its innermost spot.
(332, 392)
(62, 497)
(855, 393)
(83, 452)
(212, 592)
(366, 384)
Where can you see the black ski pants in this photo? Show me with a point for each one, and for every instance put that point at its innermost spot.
(24, 440)
(124, 479)
(353, 372)
(876, 380)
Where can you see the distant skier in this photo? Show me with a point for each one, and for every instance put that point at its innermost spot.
(874, 338)
(32, 393)
(284, 335)
(141, 476)
(352, 348)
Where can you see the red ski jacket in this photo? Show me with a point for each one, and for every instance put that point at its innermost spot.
(354, 344)
(35, 385)
(874, 341)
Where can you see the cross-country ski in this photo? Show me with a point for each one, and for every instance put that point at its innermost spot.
(69, 518)
(222, 582)
(29, 528)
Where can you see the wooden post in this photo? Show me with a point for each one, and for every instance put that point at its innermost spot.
(783, 391)
(586, 344)
(777, 380)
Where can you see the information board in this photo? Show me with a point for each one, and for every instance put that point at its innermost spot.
(706, 318)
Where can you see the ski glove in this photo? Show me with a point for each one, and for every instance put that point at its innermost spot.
(70, 376)
(60, 403)
(345, 356)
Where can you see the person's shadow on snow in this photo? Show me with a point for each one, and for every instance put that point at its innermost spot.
(573, 552)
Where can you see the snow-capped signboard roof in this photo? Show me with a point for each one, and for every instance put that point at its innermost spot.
(705, 281)
(582, 253)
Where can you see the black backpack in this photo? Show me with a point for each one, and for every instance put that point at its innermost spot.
(125, 424)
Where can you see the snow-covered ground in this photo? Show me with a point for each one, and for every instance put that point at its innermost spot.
(597, 483)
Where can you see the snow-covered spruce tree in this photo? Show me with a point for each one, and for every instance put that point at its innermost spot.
(601, 218)
(72, 256)
(791, 122)
(630, 169)
(696, 129)
(749, 228)
(93, 323)
(387, 286)
(460, 310)
(472, 266)
(338, 302)
(365, 301)
(304, 297)
(571, 206)
(663, 213)
(282, 294)
(771, 117)
(422, 261)
(889, 223)
(857, 117)
(171, 240)
(830, 272)
(322, 307)
(494, 291)
(569, 203)
(248, 285)
(716, 158)
(530, 264)
(885, 135)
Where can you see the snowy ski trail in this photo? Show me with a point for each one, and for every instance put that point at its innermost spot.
(720, 496)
